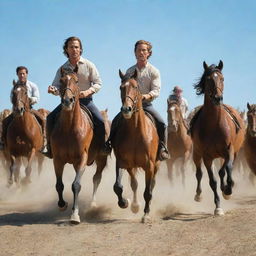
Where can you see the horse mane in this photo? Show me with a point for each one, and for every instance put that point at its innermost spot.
(199, 86)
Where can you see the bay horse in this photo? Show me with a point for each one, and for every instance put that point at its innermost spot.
(72, 142)
(179, 142)
(24, 135)
(250, 138)
(135, 145)
(217, 132)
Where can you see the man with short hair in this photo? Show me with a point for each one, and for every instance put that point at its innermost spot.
(149, 84)
(34, 96)
(89, 82)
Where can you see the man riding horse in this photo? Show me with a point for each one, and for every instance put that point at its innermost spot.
(33, 94)
(89, 82)
(149, 82)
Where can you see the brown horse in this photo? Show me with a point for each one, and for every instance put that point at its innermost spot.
(72, 142)
(24, 135)
(135, 145)
(250, 138)
(217, 132)
(179, 142)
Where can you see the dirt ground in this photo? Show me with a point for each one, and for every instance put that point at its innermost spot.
(31, 224)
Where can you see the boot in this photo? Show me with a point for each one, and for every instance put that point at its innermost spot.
(163, 153)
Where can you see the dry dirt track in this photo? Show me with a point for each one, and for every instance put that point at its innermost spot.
(30, 223)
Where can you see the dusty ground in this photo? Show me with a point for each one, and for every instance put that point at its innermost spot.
(30, 223)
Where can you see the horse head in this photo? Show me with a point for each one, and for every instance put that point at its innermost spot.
(20, 99)
(174, 116)
(211, 83)
(69, 90)
(130, 94)
(251, 116)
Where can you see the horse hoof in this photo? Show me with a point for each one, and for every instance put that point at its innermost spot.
(146, 219)
(227, 197)
(135, 207)
(64, 208)
(218, 212)
(124, 203)
(198, 198)
(25, 181)
(10, 182)
(75, 219)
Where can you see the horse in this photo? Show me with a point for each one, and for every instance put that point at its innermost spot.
(79, 148)
(250, 138)
(217, 131)
(179, 142)
(135, 145)
(107, 122)
(24, 136)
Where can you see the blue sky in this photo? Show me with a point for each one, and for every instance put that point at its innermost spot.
(183, 34)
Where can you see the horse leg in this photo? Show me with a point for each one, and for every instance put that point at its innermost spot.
(28, 169)
(76, 187)
(135, 206)
(213, 185)
(169, 163)
(184, 162)
(40, 159)
(199, 174)
(101, 163)
(14, 170)
(150, 184)
(118, 188)
(59, 167)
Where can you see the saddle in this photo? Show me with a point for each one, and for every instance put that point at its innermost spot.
(226, 108)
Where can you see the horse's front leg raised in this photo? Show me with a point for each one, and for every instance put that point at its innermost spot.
(58, 167)
(76, 187)
(118, 188)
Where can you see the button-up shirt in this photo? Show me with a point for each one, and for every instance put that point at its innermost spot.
(148, 78)
(33, 92)
(88, 75)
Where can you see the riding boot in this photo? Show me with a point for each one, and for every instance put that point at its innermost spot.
(114, 125)
(163, 153)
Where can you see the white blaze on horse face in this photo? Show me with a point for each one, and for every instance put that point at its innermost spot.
(215, 74)
(126, 84)
(18, 89)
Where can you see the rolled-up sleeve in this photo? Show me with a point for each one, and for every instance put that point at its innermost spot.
(95, 78)
(35, 96)
(56, 81)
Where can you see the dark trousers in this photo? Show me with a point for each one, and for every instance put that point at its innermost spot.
(99, 128)
(160, 124)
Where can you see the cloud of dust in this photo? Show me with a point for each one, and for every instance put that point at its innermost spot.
(169, 199)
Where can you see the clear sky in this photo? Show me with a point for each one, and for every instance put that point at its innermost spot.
(184, 33)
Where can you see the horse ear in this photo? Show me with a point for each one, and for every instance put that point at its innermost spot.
(248, 106)
(205, 66)
(121, 74)
(76, 69)
(13, 82)
(220, 66)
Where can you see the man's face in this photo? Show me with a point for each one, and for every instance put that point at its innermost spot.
(74, 49)
(141, 52)
(22, 75)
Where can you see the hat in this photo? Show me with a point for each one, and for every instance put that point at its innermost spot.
(177, 89)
